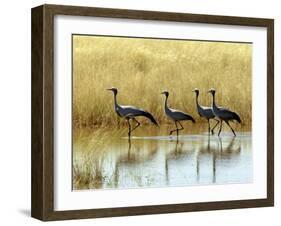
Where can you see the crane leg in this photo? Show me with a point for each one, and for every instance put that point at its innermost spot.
(209, 127)
(138, 124)
(181, 126)
(212, 130)
(231, 128)
(220, 144)
(171, 132)
(220, 128)
(129, 125)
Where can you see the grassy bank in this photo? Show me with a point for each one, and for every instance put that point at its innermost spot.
(142, 68)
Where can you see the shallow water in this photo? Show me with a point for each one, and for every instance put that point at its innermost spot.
(159, 161)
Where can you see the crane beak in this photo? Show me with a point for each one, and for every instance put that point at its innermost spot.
(109, 89)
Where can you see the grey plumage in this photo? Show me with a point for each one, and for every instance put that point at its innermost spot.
(130, 112)
(205, 112)
(175, 115)
(223, 114)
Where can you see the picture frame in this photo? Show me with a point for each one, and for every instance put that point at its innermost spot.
(43, 108)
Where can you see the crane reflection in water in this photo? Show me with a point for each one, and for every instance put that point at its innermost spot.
(161, 161)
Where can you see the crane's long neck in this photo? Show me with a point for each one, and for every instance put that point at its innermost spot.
(197, 103)
(166, 103)
(214, 101)
(115, 101)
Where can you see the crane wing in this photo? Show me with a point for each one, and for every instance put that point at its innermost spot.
(230, 115)
(180, 115)
(223, 108)
(132, 111)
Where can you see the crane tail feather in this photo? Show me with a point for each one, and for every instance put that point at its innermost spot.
(236, 117)
(192, 119)
(189, 117)
(150, 117)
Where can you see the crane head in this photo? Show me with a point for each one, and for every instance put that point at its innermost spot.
(196, 90)
(166, 93)
(212, 91)
(114, 90)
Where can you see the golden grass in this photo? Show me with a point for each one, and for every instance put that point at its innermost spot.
(142, 68)
(88, 157)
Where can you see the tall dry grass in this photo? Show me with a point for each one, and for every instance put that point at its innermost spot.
(142, 68)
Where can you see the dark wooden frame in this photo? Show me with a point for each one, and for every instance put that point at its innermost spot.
(42, 203)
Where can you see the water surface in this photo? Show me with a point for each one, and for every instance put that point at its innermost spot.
(109, 160)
